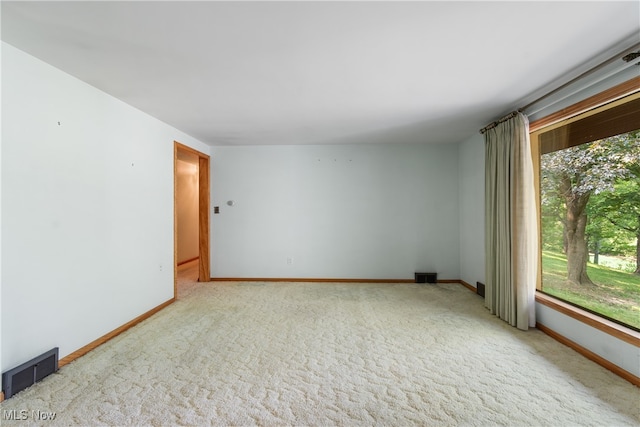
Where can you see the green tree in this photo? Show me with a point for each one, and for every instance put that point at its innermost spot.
(569, 177)
(619, 211)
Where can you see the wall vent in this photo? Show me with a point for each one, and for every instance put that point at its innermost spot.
(426, 277)
(17, 379)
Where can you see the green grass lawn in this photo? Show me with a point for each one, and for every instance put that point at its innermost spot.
(616, 294)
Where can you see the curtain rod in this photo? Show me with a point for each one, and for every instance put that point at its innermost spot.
(614, 58)
(620, 55)
(497, 122)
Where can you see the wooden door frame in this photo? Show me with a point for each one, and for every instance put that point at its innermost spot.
(204, 274)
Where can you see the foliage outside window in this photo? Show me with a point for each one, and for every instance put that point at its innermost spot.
(589, 181)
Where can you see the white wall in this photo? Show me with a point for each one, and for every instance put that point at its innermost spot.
(471, 193)
(187, 211)
(616, 351)
(87, 210)
(379, 211)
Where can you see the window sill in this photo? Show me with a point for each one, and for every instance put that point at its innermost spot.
(604, 325)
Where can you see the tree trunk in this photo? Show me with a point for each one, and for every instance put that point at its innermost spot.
(577, 252)
(575, 226)
(596, 253)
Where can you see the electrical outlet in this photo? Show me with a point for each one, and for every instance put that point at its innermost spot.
(160, 267)
(289, 260)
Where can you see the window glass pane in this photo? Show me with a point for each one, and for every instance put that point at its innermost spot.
(590, 225)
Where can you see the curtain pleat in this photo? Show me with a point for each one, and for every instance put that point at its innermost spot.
(511, 242)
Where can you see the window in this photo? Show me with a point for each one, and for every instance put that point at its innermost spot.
(588, 174)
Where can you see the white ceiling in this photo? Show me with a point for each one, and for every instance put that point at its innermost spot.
(239, 73)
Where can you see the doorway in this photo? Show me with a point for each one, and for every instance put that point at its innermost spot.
(184, 156)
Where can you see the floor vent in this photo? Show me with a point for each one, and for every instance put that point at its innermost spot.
(17, 379)
(480, 289)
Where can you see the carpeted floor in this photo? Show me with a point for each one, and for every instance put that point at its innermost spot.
(330, 354)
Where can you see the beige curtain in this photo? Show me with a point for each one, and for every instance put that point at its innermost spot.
(511, 244)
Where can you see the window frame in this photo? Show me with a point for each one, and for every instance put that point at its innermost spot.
(615, 96)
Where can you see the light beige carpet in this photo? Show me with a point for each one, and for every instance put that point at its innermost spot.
(331, 354)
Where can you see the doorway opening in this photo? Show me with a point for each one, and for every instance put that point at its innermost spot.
(191, 197)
